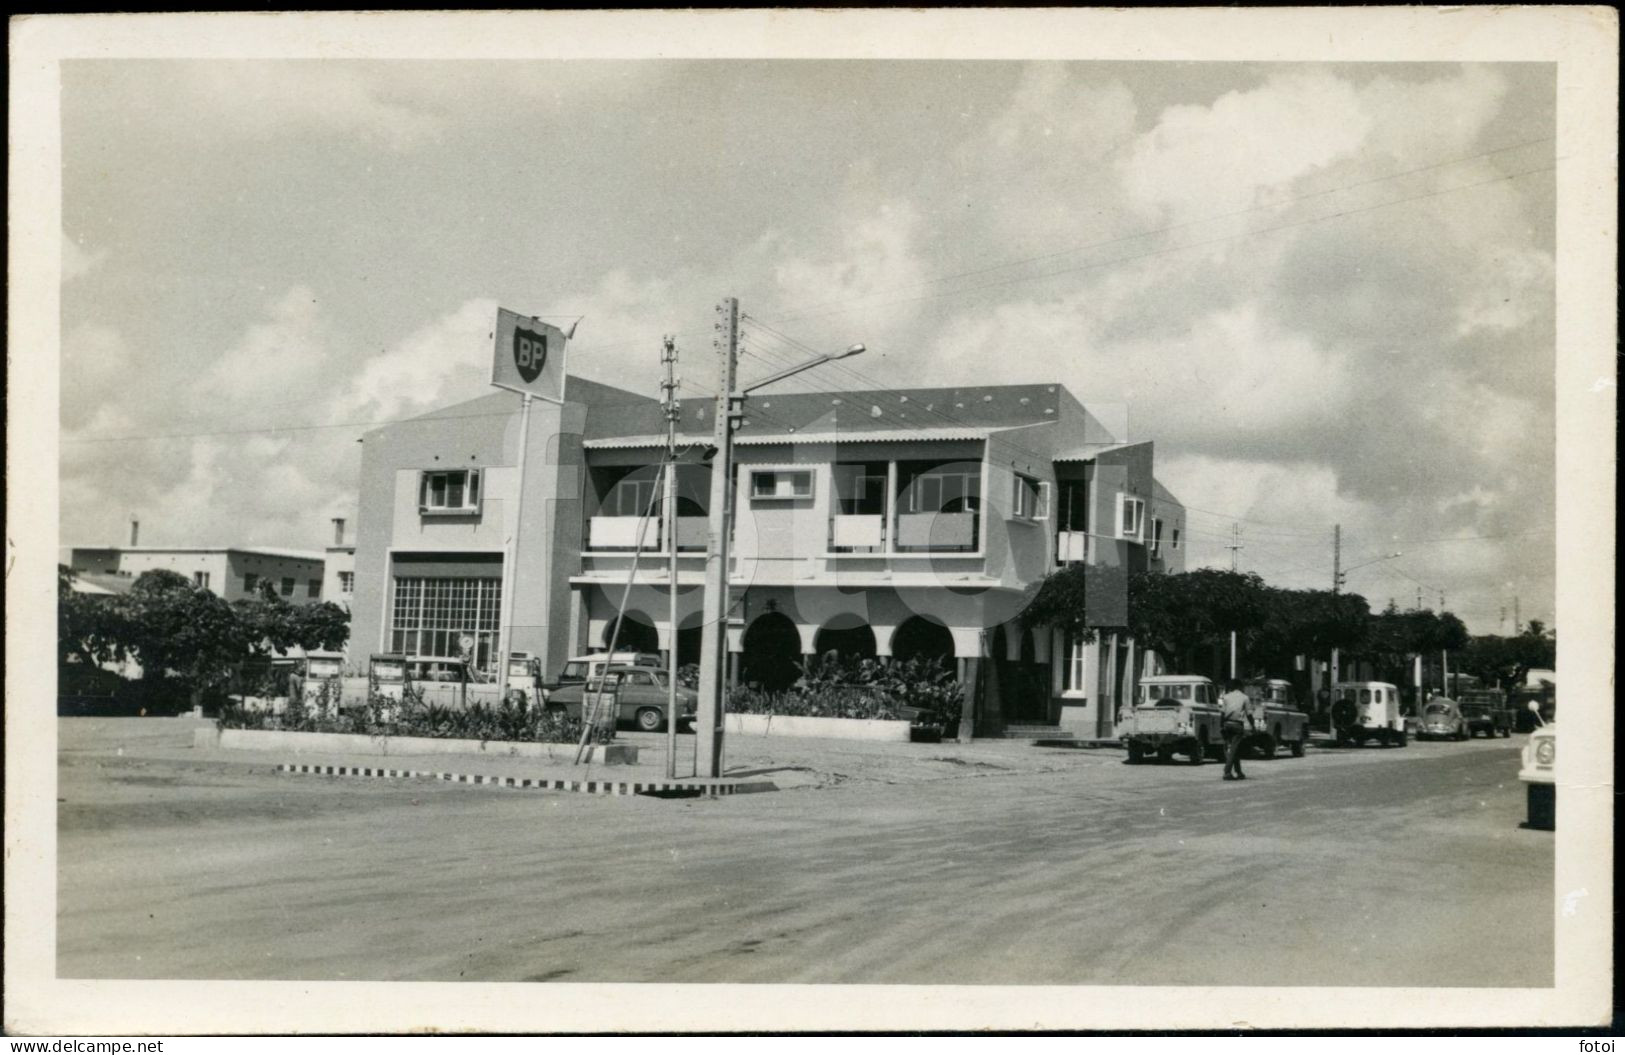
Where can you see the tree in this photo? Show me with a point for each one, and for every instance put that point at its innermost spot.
(1508, 660)
(90, 628)
(1307, 623)
(1179, 614)
(1396, 636)
(271, 624)
(176, 626)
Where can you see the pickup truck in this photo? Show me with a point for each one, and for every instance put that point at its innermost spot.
(1487, 712)
(1275, 713)
(636, 694)
(1175, 714)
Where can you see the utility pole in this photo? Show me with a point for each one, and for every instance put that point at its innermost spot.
(1517, 617)
(1418, 598)
(1501, 624)
(1441, 601)
(1337, 587)
(668, 397)
(1337, 558)
(1235, 543)
(714, 631)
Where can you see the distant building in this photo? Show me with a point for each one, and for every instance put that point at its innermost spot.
(884, 523)
(338, 569)
(232, 572)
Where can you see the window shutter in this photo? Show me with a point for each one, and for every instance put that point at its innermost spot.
(423, 490)
(1122, 506)
(473, 498)
(1042, 512)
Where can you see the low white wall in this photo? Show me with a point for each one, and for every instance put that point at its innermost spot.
(362, 744)
(831, 728)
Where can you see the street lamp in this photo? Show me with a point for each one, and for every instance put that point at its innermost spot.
(1343, 575)
(713, 637)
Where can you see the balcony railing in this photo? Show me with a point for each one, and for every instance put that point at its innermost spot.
(857, 533)
(621, 533)
(937, 532)
(1071, 546)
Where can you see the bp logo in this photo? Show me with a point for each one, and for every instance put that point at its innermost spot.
(529, 353)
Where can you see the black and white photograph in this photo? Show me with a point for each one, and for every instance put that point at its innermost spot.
(811, 521)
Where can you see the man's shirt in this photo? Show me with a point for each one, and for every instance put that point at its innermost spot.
(1234, 703)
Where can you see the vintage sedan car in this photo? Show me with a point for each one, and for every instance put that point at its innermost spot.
(634, 694)
(1539, 774)
(1441, 720)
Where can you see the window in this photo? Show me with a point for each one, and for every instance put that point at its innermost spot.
(630, 497)
(287, 586)
(449, 491)
(251, 582)
(200, 579)
(781, 484)
(1029, 500)
(313, 588)
(346, 582)
(1075, 667)
(1156, 535)
(950, 491)
(1130, 517)
(431, 616)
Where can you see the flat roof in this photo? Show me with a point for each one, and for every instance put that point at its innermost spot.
(258, 551)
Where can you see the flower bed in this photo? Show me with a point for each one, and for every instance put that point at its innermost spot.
(916, 692)
(508, 721)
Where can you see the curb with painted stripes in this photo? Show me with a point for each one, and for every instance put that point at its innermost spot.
(591, 787)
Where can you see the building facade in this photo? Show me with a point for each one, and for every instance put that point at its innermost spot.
(232, 572)
(887, 523)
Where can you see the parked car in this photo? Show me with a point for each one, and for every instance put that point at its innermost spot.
(1175, 714)
(1276, 714)
(1486, 712)
(1367, 710)
(1442, 720)
(1539, 772)
(577, 669)
(635, 694)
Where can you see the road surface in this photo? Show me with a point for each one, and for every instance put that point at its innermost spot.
(1371, 867)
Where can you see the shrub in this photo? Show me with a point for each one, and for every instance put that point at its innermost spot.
(512, 720)
(830, 687)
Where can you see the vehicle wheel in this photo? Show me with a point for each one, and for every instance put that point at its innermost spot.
(1198, 751)
(1136, 753)
(1298, 745)
(1400, 739)
(1462, 735)
(1506, 733)
(650, 720)
(1165, 754)
(1265, 745)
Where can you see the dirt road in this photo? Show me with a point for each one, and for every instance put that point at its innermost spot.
(1371, 867)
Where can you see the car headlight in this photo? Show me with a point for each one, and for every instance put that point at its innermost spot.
(1546, 752)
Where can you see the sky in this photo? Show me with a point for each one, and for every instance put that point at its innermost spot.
(1325, 291)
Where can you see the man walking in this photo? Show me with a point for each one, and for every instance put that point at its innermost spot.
(1237, 724)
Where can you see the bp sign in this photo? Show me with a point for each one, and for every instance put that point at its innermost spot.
(529, 352)
(529, 356)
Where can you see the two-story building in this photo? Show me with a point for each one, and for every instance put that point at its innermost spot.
(232, 572)
(886, 523)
